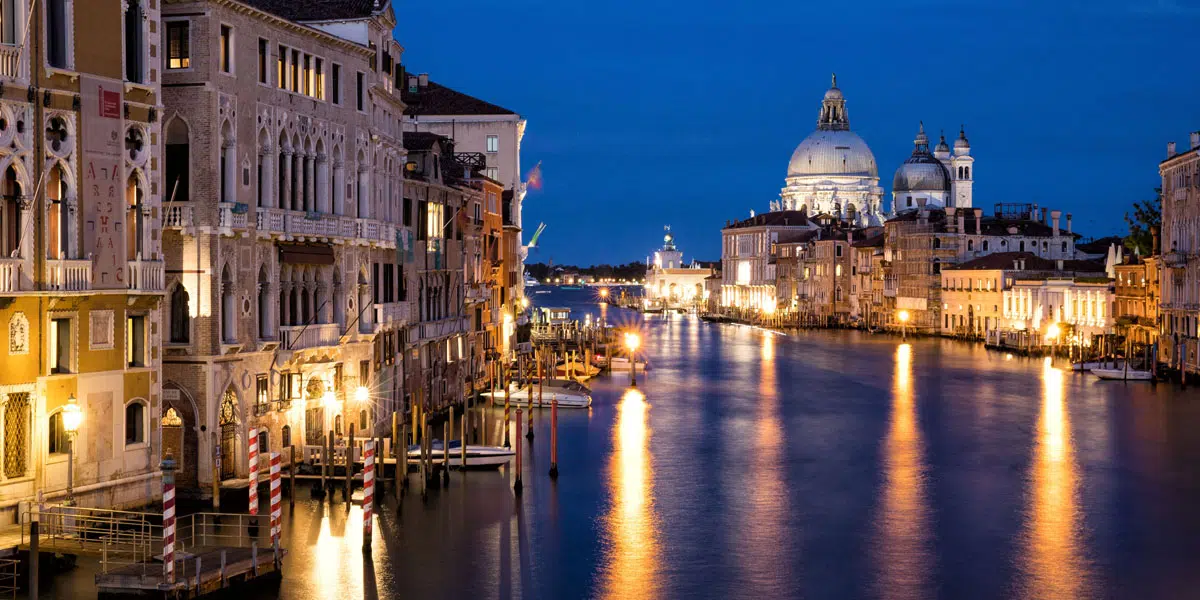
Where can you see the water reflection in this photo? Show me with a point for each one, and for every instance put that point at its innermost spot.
(904, 524)
(1052, 562)
(631, 569)
(766, 571)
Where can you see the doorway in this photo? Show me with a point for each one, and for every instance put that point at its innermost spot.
(228, 424)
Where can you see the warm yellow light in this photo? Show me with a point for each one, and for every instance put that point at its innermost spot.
(72, 417)
(603, 292)
(632, 341)
(902, 316)
(769, 308)
(329, 400)
(362, 394)
(1053, 331)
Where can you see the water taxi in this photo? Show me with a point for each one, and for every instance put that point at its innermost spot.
(478, 457)
(570, 394)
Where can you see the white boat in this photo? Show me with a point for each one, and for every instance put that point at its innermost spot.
(1123, 375)
(531, 282)
(621, 363)
(1096, 364)
(478, 457)
(570, 394)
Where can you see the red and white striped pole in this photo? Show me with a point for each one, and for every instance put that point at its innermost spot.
(276, 498)
(168, 483)
(253, 454)
(368, 492)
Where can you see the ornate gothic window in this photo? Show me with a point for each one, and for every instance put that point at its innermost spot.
(18, 334)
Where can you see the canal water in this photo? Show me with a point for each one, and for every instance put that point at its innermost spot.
(816, 464)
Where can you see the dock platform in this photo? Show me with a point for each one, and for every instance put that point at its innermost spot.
(197, 572)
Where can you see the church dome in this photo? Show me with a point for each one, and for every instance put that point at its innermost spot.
(836, 152)
(922, 172)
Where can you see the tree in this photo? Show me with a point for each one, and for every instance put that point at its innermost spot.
(1145, 220)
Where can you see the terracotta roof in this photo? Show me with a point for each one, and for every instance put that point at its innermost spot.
(437, 99)
(1033, 262)
(782, 218)
(318, 10)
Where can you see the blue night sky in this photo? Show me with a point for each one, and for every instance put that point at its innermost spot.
(649, 112)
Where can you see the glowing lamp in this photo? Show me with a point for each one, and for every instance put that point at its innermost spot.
(603, 292)
(632, 341)
(72, 417)
(524, 302)
(1053, 331)
(329, 400)
(362, 394)
(902, 316)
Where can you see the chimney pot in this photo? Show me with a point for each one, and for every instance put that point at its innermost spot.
(1055, 215)
(1016, 265)
(979, 221)
(1058, 264)
(423, 80)
(1044, 222)
(1170, 149)
(1068, 223)
(1195, 139)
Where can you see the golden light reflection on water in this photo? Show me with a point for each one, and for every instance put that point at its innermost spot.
(904, 524)
(765, 568)
(1051, 560)
(632, 569)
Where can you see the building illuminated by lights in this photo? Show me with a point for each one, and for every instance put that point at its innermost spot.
(748, 260)
(671, 284)
(1180, 337)
(1135, 307)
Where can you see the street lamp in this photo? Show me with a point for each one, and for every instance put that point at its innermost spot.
(72, 417)
(1052, 333)
(903, 316)
(362, 394)
(603, 294)
(632, 341)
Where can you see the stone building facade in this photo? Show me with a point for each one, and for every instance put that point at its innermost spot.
(81, 269)
(1180, 335)
(288, 236)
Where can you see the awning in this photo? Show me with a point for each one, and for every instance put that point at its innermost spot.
(306, 254)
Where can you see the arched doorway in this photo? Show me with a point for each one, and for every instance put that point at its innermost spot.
(228, 425)
(179, 438)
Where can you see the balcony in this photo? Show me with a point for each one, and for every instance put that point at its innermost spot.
(377, 233)
(299, 337)
(293, 224)
(433, 330)
(393, 312)
(233, 217)
(10, 274)
(179, 216)
(69, 275)
(479, 293)
(146, 275)
(13, 63)
(1175, 260)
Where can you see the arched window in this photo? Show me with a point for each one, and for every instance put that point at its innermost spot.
(134, 54)
(970, 245)
(58, 15)
(228, 316)
(1064, 246)
(177, 161)
(264, 304)
(285, 436)
(56, 435)
(135, 423)
(966, 172)
(10, 216)
(264, 442)
(228, 162)
(58, 227)
(362, 420)
(337, 425)
(180, 315)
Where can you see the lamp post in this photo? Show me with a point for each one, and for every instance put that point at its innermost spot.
(1052, 334)
(71, 419)
(632, 341)
(903, 316)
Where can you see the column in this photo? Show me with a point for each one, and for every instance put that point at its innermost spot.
(364, 193)
(325, 313)
(338, 198)
(71, 213)
(322, 184)
(285, 197)
(309, 179)
(297, 174)
(285, 303)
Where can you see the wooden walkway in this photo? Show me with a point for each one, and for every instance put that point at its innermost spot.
(201, 571)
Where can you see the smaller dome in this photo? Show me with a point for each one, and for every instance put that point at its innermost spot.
(834, 94)
(962, 142)
(921, 174)
(942, 146)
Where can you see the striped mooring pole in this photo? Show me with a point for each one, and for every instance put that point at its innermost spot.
(276, 497)
(368, 492)
(253, 454)
(168, 483)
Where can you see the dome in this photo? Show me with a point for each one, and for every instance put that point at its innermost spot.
(942, 147)
(832, 153)
(921, 174)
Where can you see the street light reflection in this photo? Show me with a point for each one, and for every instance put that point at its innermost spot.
(1051, 560)
(632, 563)
(904, 520)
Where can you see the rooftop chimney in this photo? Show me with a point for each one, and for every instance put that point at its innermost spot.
(423, 80)
(1068, 223)
(1016, 265)
(1195, 139)
(1154, 235)
(1170, 149)
(978, 221)
(1054, 216)
(950, 220)
(1058, 264)
(1044, 222)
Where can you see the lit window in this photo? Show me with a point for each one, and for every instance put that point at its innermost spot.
(179, 55)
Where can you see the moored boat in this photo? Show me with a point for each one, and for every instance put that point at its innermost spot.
(621, 363)
(569, 394)
(1122, 374)
(1087, 366)
(478, 457)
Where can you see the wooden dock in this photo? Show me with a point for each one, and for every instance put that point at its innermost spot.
(198, 572)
